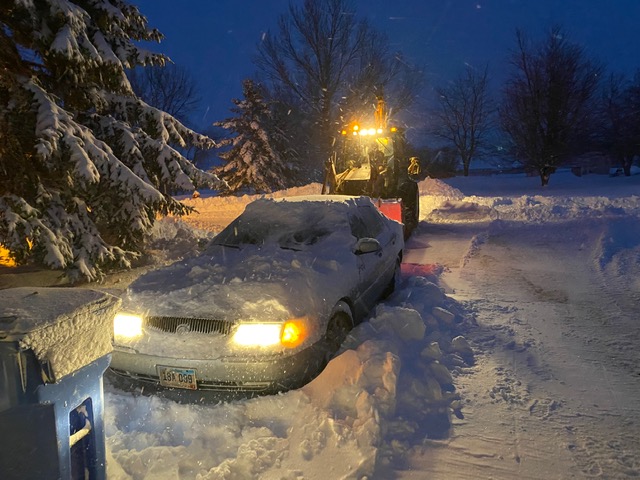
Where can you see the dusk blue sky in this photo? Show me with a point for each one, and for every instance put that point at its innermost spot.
(216, 39)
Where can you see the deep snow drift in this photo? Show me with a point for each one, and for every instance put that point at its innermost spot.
(542, 284)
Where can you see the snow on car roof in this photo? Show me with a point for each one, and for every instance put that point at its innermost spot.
(293, 205)
(328, 199)
(291, 220)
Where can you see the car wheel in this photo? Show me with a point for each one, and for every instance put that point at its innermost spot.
(339, 326)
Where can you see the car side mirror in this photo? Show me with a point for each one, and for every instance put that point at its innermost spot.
(367, 245)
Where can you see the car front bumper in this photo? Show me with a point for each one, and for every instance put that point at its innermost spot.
(256, 374)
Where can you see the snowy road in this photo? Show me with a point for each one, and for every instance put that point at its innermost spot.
(554, 393)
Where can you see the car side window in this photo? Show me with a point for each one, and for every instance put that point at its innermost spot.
(358, 228)
(366, 223)
(372, 220)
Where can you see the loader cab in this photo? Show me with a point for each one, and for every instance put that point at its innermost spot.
(367, 161)
(372, 162)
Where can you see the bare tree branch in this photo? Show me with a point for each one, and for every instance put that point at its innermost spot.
(464, 114)
(548, 105)
(170, 88)
(333, 63)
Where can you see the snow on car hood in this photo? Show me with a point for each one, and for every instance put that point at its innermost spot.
(288, 272)
(257, 283)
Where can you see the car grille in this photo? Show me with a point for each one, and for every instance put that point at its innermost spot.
(188, 324)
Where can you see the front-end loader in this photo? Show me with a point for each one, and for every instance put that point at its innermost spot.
(372, 161)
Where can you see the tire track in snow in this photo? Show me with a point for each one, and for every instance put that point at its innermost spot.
(572, 343)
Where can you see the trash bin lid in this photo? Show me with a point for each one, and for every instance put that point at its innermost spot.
(65, 327)
(25, 309)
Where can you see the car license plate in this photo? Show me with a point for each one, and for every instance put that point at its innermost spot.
(177, 377)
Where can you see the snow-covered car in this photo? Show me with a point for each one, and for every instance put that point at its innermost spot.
(266, 304)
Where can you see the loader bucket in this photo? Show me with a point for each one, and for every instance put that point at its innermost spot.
(391, 208)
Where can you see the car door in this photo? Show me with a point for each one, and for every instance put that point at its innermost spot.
(374, 268)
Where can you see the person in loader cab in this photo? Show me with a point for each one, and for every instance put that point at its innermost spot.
(414, 167)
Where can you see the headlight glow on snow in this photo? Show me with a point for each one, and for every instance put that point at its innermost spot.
(127, 325)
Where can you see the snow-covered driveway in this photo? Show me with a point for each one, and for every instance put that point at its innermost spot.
(556, 387)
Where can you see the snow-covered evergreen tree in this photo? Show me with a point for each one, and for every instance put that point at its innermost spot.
(253, 161)
(85, 166)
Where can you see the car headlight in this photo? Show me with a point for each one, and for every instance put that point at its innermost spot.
(287, 334)
(127, 325)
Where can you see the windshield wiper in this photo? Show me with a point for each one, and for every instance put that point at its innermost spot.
(291, 247)
(229, 245)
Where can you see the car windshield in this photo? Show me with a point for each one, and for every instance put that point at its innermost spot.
(293, 229)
